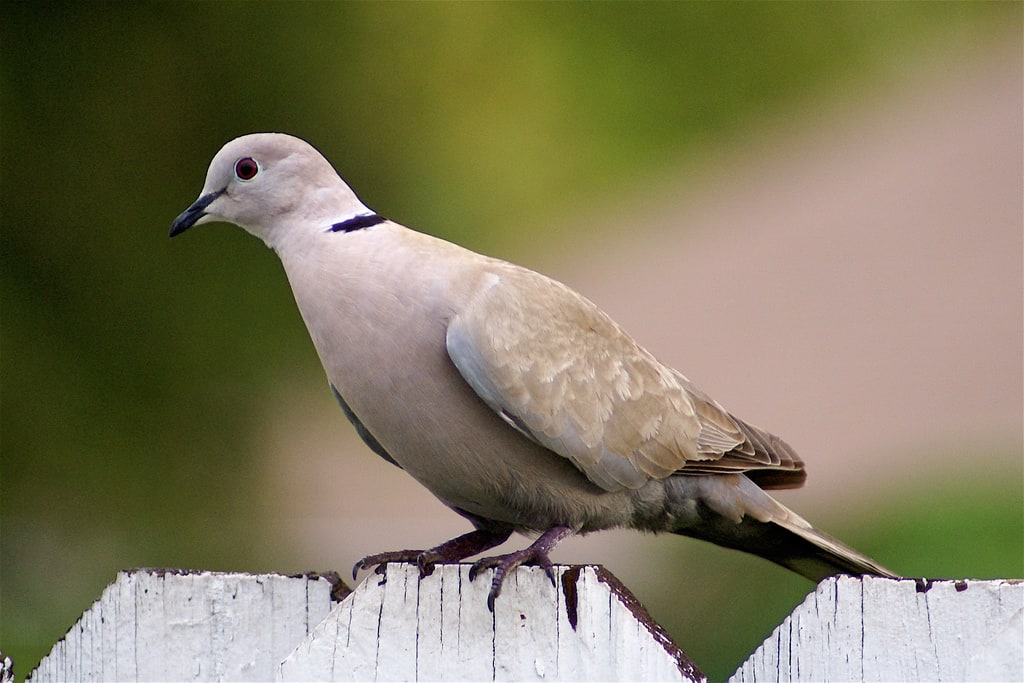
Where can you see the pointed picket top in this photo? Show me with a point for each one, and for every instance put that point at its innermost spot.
(396, 626)
(873, 629)
(6, 669)
(166, 624)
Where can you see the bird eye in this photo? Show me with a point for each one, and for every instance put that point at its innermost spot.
(246, 169)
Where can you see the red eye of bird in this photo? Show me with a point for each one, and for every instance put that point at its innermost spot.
(246, 169)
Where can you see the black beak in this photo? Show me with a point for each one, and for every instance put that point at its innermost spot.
(189, 216)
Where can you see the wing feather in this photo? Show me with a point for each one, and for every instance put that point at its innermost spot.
(564, 374)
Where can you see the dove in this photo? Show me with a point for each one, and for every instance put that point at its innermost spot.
(513, 399)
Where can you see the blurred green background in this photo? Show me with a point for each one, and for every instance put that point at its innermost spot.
(132, 369)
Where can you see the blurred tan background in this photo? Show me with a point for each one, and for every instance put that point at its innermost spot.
(815, 212)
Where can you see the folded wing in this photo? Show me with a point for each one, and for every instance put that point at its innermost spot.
(563, 373)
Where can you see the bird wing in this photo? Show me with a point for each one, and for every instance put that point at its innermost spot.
(563, 373)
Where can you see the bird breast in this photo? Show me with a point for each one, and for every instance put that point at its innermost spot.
(377, 303)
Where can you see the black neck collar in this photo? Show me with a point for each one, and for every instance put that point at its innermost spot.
(365, 220)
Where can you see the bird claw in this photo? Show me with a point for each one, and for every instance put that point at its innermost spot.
(503, 564)
(471, 544)
(424, 559)
(536, 554)
(450, 551)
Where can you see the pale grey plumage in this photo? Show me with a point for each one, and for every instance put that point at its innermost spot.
(512, 398)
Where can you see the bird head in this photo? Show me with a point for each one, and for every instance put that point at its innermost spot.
(270, 184)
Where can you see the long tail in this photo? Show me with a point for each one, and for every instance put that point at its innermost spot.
(809, 552)
(734, 512)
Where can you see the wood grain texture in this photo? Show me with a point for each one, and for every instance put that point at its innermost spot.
(163, 625)
(871, 629)
(398, 627)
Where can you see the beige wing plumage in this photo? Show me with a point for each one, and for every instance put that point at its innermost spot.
(562, 372)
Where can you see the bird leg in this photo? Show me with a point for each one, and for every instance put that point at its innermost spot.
(536, 554)
(450, 551)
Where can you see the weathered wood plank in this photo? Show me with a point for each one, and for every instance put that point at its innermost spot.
(399, 627)
(871, 629)
(166, 625)
(160, 625)
(6, 669)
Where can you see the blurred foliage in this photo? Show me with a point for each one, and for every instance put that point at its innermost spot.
(130, 368)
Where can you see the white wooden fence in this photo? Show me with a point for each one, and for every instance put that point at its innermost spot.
(158, 625)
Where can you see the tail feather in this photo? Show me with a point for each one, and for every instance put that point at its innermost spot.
(734, 512)
(806, 551)
(816, 555)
